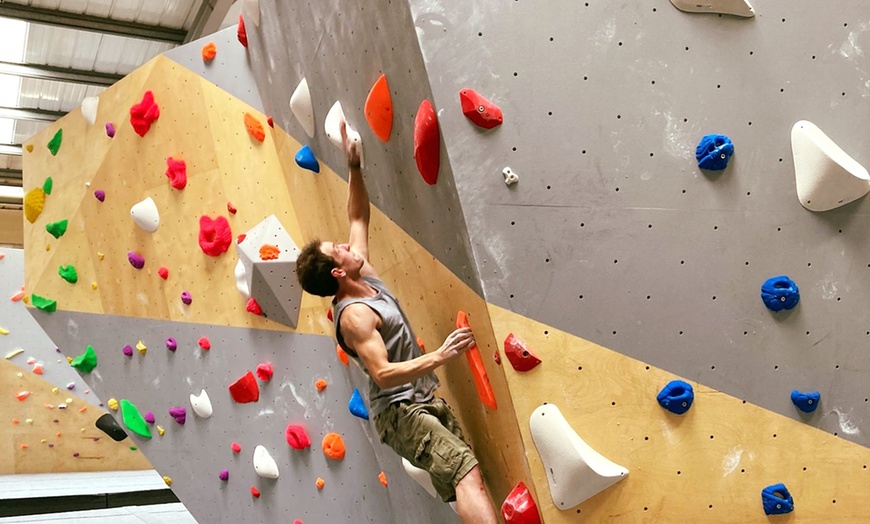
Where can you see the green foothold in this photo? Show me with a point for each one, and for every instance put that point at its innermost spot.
(54, 143)
(133, 448)
(45, 304)
(133, 420)
(57, 229)
(85, 362)
(47, 185)
(68, 273)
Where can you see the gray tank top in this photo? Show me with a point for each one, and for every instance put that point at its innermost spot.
(401, 346)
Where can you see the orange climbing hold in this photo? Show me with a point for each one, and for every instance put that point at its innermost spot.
(18, 296)
(209, 51)
(475, 362)
(320, 483)
(333, 446)
(320, 384)
(342, 356)
(421, 344)
(379, 109)
(22, 395)
(254, 127)
(269, 252)
(383, 478)
(427, 142)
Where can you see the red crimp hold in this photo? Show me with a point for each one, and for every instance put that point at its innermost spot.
(163, 272)
(253, 307)
(329, 314)
(479, 110)
(519, 507)
(296, 437)
(265, 371)
(231, 208)
(496, 357)
(270, 121)
(241, 238)
(236, 447)
(427, 142)
(215, 235)
(241, 33)
(176, 171)
(255, 492)
(143, 114)
(245, 389)
(204, 343)
(518, 354)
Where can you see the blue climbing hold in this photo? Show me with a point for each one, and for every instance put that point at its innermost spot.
(776, 500)
(356, 405)
(677, 397)
(806, 402)
(306, 160)
(713, 152)
(780, 293)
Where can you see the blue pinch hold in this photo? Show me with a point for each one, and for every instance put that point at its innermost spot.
(806, 402)
(356, 405)
(713, 152)
(677, 397)
(776, 500)
(306, 160)
(780, 293)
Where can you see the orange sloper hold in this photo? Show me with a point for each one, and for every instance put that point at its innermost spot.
(379, 109)
(209, 51)
(320, 384)
(383, 478)
(475, 362)
(269, 252)
(254, 127)
(333, 446)
(320, 483)
(342, 356)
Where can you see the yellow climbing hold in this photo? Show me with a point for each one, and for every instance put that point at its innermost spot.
(93, 285)
(29, 421)
(19, 374)
(69, 400)
(69, 360)
(113, 404)
(29, 148)
(48, 247)
(4, 331)
(141, 348)
(34, 203)
(160, 430)
(101, 255)
(43, 441)
(14, 353)
(54, 390)
(167, 480)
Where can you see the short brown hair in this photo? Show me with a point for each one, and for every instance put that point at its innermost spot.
(314, 270)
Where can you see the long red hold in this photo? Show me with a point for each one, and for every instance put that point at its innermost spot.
(475, 362)
(427, 142)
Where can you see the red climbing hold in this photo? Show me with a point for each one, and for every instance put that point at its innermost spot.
(379, 109)
(176, 170)
(270, 121)
(204, 343)
(265, 371)
(296, 437)
(236, 447)
(231, 208)
(163, 272)
(255, 492)
(241, 33)
(518, 354)
(245, 389)
(479, 110)
(253, 307)
(519, 507)
(427, 142)
(241, 238)
(478, 371)
(496, 357)
(143, 114)
(215, 235)
(329, 314)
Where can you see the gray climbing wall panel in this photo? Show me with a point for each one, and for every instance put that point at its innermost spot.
(193, 455)
(614, 234)
(341, 48)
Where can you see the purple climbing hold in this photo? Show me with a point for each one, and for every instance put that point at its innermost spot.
(179, 414)
(110, 129)
(149, 417)
(75, 454)
(128, 350)
(71, 386)
(171, 344)
(186, 298)
(224, 475)
(136, 260)
(100, 195)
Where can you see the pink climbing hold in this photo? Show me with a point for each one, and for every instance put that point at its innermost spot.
(245, 389)
(149, 417)
(179, 414)
(479, 110)
(186, 298)
(204, 343)
(100, 195)
(171, 344)
(136, 260)
(176, 171)
(265, 371)
(296, 437)
(253, 307)
(163, 272)
(143, 114)
(224, 475)
(110, 129)
(427, 142)
(215, 235)
(128, 350)
(236, 447)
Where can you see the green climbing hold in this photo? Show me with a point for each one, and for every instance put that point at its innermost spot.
(47, 185)
(86, 362)
(68, 273)
(57, 229)
(133, 420)
(133, 448)
(46, 304)
(54, 143)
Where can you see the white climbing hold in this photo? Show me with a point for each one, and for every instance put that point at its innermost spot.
(421, 477)
(510, 178)
(300, 104)
(826, 177)
(241, 274)
(576, 472)
(145, 215)
(332, 126)
(264, 464)
(89, 109)
(201, 404)
(726, 7)
(252, 9)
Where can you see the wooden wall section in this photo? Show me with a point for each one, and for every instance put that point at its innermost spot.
(709, 465)
(50, 443)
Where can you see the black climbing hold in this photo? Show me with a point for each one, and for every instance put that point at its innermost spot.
(108, 425)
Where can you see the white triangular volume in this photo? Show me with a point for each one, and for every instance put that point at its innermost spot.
(145, 215)
(252, 9)
(826, 177)
(332, 126)
(264, 464)
(726, 7)
(89, 109)
(575, 471)
(300, 104)
(241, 273)
(201, 404)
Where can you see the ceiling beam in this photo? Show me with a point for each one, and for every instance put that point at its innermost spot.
(30, 113)
(38, 15)
(10, 149)
(59, 74)
(7, 173)
(11, 182)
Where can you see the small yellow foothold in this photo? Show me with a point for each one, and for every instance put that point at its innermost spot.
(141, 347)
(48, 247)
(29, 148)
(69, 400)
(160, 430)
(29, 421)
(14, 353)
(26, 299)
(83, 430)
(4, 331)
(113, 404)
(19, 374)
(93, 285)
(167, 480)
(69, 360)
(100, 255)
(43, 441)
(54, 390)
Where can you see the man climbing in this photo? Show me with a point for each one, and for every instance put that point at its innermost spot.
(371, 327)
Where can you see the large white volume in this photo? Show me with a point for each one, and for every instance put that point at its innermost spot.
(825, 176)
(726, 7)
(145, 215)
(201, 404)
(300, 104)
(332, 126)
(575, 471)
(264, 464)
